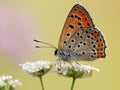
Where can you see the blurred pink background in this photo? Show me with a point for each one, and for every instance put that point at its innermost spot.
(17, 27)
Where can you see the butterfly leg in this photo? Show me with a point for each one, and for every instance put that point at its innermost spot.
(71, 64)
(58, 61)
(63, 62)
(77, 63)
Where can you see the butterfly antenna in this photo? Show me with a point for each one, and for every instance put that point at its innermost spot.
(51, 46)
(43, 47)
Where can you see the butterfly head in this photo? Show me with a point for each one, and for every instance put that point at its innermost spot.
(60, 54)
(63, 54)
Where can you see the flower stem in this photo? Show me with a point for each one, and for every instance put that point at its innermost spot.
(41, 81)
(73, 83)
(11, 88)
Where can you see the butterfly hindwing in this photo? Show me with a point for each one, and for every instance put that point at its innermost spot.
(77, 18)
(86, 44)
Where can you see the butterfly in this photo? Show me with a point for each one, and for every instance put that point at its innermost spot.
(80, 40)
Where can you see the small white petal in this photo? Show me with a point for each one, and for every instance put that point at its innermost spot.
(16, 83)
(10, 82)
(8, 77)
(6, 81)
(2, 83)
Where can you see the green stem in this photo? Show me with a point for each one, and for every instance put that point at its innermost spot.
(11, 88)
(41, 81)
(2, 88)
(73, 83)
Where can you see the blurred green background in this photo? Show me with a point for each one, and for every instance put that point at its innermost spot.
(50, 16)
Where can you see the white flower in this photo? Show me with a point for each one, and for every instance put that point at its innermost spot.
(14, 83)
(8, 82)
(74, 70)
(37, 68)
(2, 83)
(6, 78)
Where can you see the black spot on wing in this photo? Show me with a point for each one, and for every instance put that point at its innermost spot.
(68, 34)
(79, 23)
(71, 26)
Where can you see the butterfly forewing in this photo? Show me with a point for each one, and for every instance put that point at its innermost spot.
(77, 18)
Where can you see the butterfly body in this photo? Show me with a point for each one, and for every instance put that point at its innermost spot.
(80, 39)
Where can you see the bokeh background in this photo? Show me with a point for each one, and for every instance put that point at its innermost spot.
(44, 20)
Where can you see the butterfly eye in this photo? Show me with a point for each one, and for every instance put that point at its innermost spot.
(56, 52)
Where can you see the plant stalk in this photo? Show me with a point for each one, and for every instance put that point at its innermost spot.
(41, 81)
(73, 83)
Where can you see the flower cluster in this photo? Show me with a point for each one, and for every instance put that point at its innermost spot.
(38, 68)
(75, 70)
(7, 83)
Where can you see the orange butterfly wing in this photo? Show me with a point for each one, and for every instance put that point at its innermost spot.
(77, 18)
